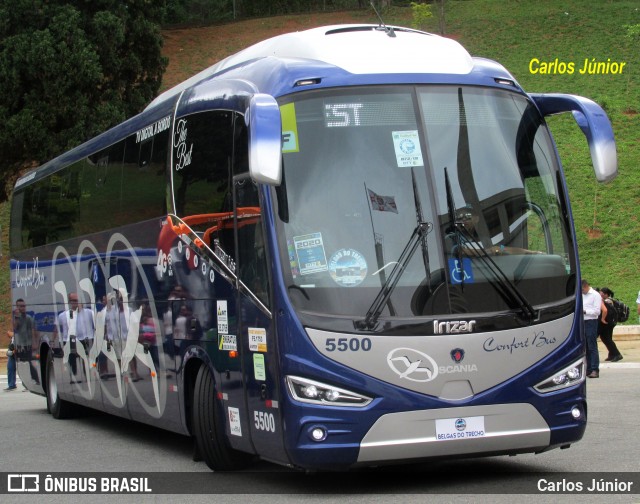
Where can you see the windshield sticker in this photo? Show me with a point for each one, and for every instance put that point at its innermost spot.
(257, 339)
(310, 253)
(407, 147)
(289, 128)
(348, 267)
(259, 369)
(459, 274)
(293, 260)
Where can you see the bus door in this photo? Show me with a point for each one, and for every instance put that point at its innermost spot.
(256, 327)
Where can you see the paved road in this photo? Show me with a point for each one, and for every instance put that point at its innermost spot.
(99, 443)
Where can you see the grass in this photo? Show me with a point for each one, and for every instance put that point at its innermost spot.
(512, 32)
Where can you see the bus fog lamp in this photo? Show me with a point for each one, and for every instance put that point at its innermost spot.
(575, 412)
(318, 434)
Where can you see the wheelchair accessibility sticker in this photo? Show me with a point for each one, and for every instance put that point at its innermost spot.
(460, 272)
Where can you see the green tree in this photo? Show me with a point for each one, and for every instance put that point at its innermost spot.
(421, 15)
(71, 69)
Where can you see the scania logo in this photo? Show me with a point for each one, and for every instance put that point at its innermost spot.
(457, 354)
(412, 365)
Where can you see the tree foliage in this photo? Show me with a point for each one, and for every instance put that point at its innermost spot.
(421, 13)
(71, 69)
(190, 12)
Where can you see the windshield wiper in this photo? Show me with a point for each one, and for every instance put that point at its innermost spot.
(371, 318)
(463, 237)
(453, 220)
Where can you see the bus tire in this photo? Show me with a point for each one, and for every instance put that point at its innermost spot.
(58, 408)
(209, 429)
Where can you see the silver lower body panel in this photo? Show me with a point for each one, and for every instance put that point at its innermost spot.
(413, 434)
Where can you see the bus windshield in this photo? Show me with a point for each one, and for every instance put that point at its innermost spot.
(365, 176)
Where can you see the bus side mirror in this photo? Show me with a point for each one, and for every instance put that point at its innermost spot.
(265, 139)
(593, 122)
(595, 125)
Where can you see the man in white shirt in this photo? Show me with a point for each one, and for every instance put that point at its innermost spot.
(638, 303)
(82, 331)
(591, 303)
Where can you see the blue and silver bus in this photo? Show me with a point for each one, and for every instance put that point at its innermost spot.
(341, 247)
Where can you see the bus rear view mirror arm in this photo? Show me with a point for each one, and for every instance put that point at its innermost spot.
(593, 122)
(265, 139)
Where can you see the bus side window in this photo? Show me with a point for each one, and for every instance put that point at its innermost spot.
(143, 180)
(17, 238)
(64, 203)
(28, 223)
(201, 181)
(35, 214)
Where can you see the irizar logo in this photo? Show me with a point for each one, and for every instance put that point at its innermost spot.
(453, 326)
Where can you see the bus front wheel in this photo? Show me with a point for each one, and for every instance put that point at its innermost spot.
(208, 427)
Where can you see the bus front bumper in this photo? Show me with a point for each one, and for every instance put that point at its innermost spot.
(489, 429)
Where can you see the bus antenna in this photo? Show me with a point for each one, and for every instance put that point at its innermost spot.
(388, 29)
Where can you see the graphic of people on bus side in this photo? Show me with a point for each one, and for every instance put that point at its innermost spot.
(76, 326)
(133, 348)
(83, 337)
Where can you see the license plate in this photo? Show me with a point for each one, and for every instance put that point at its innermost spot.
(460, 428)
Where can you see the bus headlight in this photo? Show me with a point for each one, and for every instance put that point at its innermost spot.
(568, 377)
(313, 392)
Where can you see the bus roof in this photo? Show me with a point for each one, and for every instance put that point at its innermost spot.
(342, 54)
(357, 49)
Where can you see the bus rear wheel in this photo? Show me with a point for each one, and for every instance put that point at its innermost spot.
(208, 427)
(58, 408)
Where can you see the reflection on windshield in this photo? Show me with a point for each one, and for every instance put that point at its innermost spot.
(361, 173)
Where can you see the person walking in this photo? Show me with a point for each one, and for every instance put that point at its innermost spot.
(11, 363)
(25, 336)
(605, 328)
(591, 302)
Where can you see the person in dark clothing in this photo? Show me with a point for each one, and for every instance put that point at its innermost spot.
(605, 329)
(25, 335)
(11, 363)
